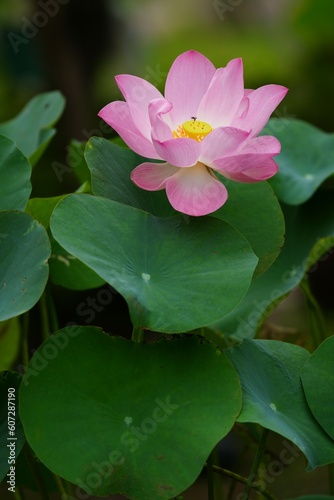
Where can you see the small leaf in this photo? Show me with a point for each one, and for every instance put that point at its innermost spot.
(65, 270)
(15, 172)
(273, 395)
(163, 267)
(127, 426)
(42, 208)
(24, 251)
(318, 382)
(305, 161)
(77, 162)
(31, 129)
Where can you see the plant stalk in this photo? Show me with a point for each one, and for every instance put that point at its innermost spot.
(25, 342)
(318, 329)
(18, 494)
(210, 478)
(137, 334)
(256, 464)
(331, 478)
(53, 319)
(45, 322)
(44, 495)
(243, 480)
(60, 486)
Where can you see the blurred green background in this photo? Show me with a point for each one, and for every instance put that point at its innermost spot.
(78, 46)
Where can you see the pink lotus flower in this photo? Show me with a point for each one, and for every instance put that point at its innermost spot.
(207, 122)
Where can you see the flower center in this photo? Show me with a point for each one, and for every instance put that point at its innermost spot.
(193, 129)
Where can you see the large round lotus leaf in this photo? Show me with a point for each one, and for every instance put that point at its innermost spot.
(305, 161)
(31, 129)
(273, 395)
(163, 267)
(15, 171)
(24, 251)
(115, 416)
(252, 209)
(318, 382)
(11, 433)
